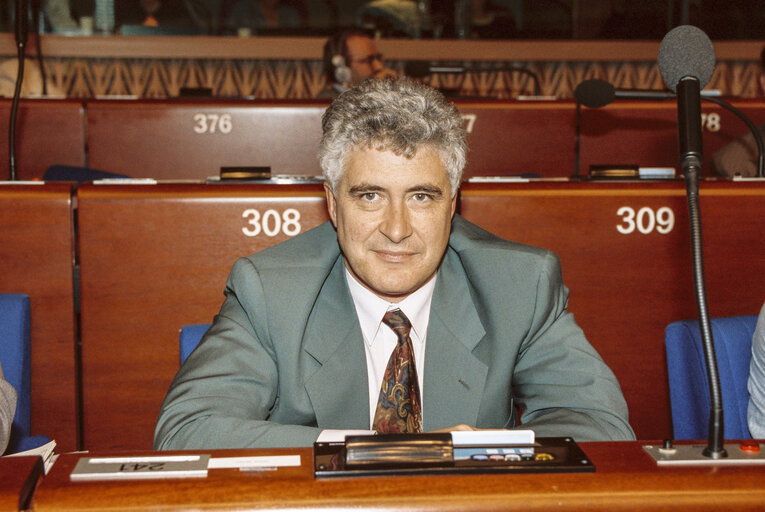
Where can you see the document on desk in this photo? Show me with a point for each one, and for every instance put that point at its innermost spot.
(254, 463)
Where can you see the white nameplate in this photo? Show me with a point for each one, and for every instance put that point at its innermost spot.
(160, 466)
(492, 437)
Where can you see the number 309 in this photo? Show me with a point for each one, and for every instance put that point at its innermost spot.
(645, 220)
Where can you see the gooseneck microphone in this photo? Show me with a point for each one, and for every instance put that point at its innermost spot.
(596, 93)
(22, 33)
(686, 62)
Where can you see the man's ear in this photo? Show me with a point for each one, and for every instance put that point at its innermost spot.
(454, 203)
(331, 203)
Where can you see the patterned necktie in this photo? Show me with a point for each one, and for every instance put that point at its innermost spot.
(398, 409)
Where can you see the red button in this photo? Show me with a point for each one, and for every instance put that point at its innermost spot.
(750, 446)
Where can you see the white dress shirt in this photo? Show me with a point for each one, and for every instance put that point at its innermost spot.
(380, 340)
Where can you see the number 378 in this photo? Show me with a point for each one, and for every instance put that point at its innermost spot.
(645, 220)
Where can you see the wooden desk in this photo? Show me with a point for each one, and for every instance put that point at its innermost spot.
(152, 259)
(625, 479)
(18, 478)
(47, 132)
(37, 251)
(644, 133)
(192, 139)
(179, 139)
(517, 137)
(631, 276)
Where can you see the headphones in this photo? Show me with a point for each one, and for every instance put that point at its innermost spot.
(342, 73)
(335, 51)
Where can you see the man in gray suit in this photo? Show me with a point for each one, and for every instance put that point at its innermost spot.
(298, 349)
(7, 410)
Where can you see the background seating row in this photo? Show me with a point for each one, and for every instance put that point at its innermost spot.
(193, 139)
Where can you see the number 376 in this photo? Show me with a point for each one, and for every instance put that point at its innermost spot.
(645, 220)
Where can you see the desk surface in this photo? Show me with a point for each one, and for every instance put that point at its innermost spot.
(18, 477)
(626, 478)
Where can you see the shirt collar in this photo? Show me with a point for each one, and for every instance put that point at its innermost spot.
(370, 308)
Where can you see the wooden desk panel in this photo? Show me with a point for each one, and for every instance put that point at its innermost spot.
(626, 288)
(48, 132)
(625, 479)
(37, 251)
(645, 133)
(152, 259)
(507, 138)
(178, 139)
(18, 478)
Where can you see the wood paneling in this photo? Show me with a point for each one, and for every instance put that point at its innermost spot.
(37, 251)
(47, 132)
(152, 259)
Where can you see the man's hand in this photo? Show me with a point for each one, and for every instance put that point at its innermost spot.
(386, 73)
(461, 428)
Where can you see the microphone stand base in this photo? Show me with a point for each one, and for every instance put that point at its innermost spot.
(747, 452)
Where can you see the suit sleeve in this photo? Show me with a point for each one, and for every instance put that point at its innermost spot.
(562, 385)
(756, 383)
(223, 395)
(7, 411)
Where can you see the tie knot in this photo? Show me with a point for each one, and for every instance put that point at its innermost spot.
(398, 321)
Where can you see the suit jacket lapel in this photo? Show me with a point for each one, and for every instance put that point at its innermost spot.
(338, 388)
(454, 378)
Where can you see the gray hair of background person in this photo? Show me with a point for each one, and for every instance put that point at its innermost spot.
(397, 115)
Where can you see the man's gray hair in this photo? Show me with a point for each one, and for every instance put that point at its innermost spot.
(397, 115)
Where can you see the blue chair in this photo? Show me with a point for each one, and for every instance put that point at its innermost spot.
(79, 174)
(688, 383)
(15, 359)
(190, 337)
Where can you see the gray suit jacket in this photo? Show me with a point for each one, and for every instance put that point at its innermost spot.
(284, 358)
(7, 410)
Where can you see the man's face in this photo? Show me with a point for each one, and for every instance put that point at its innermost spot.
(393, 218)
(363, 58)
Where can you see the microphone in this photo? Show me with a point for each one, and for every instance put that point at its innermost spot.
(686, 62)
(22, 22)
(22, 33)
(595, 93)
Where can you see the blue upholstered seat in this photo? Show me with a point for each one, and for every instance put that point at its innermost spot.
(190, 337)
(15, 358)
(688, 383)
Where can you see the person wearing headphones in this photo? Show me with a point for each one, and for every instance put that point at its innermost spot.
(350, 57)
(740, 155)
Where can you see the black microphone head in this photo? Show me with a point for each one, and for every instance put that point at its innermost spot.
(686, 51)
(594, 93)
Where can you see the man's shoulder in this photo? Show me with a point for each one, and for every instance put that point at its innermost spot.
(468, 238)
(314, 247)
